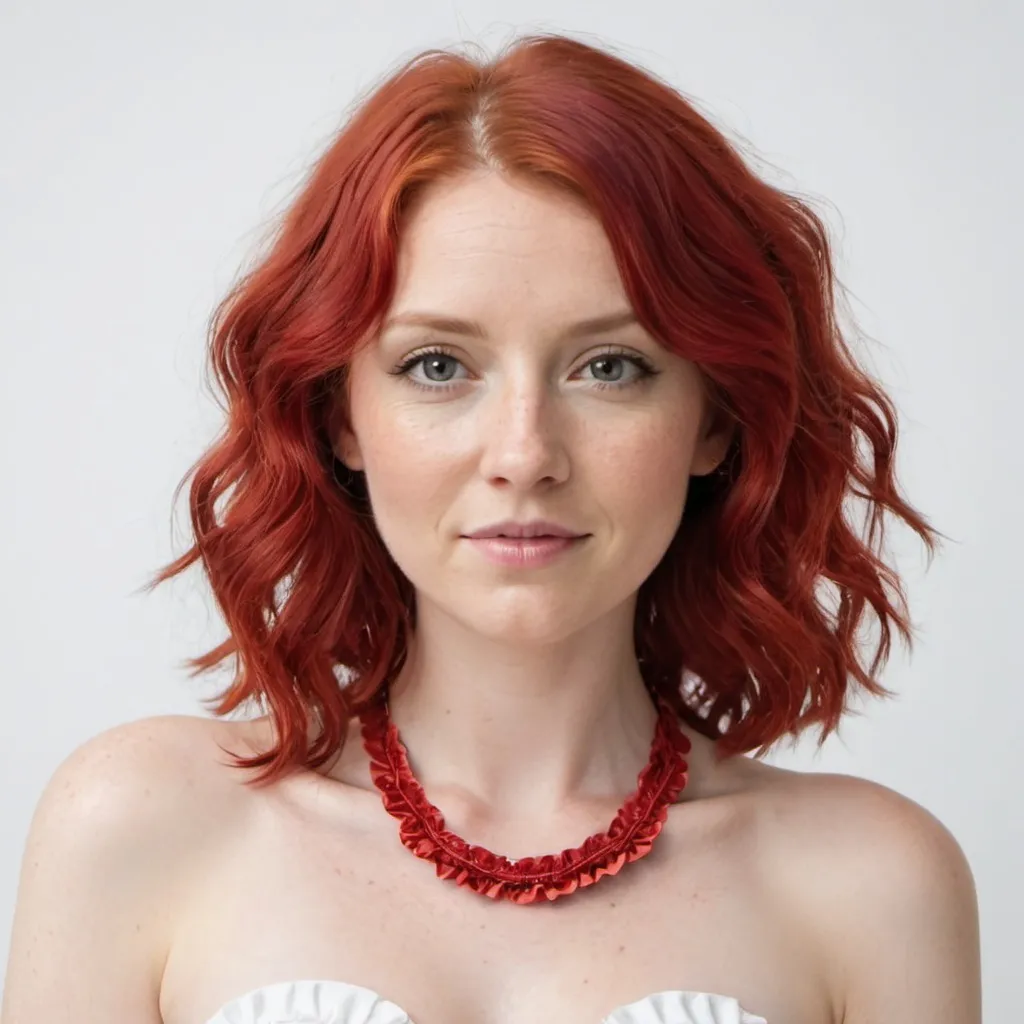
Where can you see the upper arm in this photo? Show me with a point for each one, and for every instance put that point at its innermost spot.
(905, 929)
(92, 912)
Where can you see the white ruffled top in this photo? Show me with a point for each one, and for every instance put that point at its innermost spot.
(339, 1002)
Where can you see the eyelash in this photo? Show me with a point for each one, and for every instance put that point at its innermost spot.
(403, 368)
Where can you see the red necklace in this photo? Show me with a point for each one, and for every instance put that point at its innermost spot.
(530, 879)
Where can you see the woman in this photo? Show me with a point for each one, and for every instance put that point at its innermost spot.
(513, 615)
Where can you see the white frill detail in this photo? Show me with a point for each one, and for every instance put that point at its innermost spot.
(338, 1002)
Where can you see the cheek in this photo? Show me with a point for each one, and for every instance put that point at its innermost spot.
(410, 479)
(644, 472)
(644, 484)
(404, 480)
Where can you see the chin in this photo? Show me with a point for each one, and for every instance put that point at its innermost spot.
(539, 624)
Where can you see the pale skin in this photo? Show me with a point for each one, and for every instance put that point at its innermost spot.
(156, 887)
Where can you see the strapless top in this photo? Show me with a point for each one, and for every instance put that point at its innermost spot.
(339, 1002)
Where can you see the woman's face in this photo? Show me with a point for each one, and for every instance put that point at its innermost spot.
(530, 418)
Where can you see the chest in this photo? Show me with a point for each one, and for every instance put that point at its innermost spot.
(331, 894)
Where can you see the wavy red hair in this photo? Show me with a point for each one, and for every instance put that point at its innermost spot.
(724, 269)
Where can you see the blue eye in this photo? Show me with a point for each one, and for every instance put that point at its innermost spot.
(440, 354)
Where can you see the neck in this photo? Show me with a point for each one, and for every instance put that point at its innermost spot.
(518, 732)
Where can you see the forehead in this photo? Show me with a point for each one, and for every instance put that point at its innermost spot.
(484, 241)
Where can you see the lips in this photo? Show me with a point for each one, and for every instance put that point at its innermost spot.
(524, 552)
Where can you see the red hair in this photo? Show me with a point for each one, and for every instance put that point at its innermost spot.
(722, 268)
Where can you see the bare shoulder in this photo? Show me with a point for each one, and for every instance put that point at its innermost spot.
(118, 827)
(863, 827)
(152, 795)
(150, 788)
(152, 770)
(855, 822)
(875, 875)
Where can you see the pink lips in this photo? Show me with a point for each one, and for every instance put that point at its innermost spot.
(525, 552)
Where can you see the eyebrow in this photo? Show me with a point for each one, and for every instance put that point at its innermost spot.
(472, 329)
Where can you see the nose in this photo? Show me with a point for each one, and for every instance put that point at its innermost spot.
(523, 434)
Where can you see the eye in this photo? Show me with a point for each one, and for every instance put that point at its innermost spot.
(431, 360)
(610, 359)
(437, 358)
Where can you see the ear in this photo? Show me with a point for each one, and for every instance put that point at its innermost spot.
(346, 447)
(717, 432)
(344, 442)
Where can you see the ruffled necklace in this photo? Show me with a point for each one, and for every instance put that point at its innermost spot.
(550, 876)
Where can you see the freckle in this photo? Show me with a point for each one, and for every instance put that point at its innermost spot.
(622, 949)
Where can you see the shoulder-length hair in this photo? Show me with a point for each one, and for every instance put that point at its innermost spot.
(722, 268)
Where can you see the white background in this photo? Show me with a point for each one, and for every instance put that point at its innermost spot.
(144, 149)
